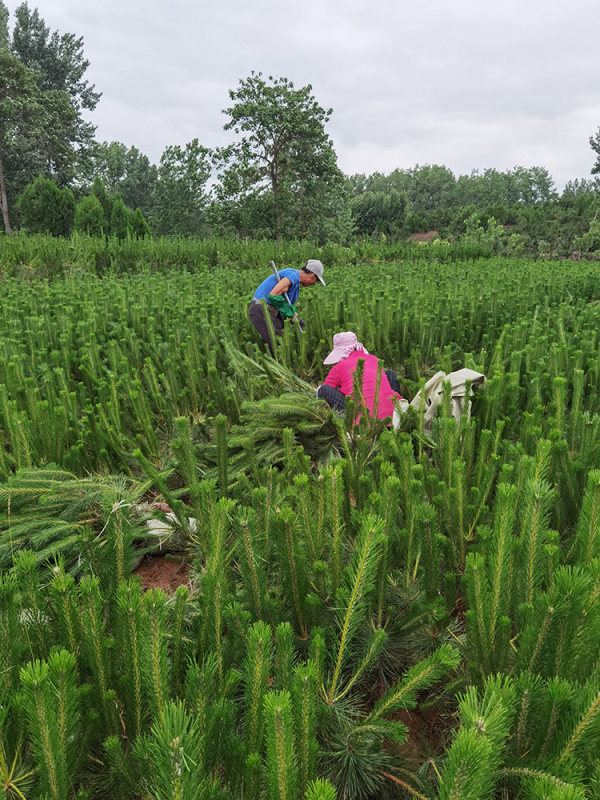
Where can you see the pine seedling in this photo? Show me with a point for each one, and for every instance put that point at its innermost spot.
(222, 454)
(131, 636)
(16, 778)
(304, 706)
(331, 519)
(558, 705)
(536, 787)
(420, 676)
(53, 717)
(317, 653)
(214, 584)
(200, 691)
(62, 674)
(257, 670)
(320, 790)
(311, 524)
(156, 657)
(485, 472)
(293, 566)
(284, 656)
(565, 475)
(178, 614)
(430, 548)
(65, 598)
(114, 546)
(281, 769)
(183, 448)
(553, 643)
(499, 569)
(121, 778)
(369, 654)
(583, 735)
(587, 532)
(476, 753)
(32, 599)
(96, 647)
(478, 611)
(559, 390)
(170, 756)
(353, 598)
(576, 415)
(251, 560)
(530, 696)
(537, 504)
(11, 636)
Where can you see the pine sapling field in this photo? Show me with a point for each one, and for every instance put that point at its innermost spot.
(368, 613)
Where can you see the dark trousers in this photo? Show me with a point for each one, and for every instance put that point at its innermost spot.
(337, 400)
(257, 316)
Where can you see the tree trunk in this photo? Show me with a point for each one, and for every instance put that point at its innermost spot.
(4, 201)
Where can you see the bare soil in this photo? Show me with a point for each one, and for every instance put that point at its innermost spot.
(160, 572)
(425, 236)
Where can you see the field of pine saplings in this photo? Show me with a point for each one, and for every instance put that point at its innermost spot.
(364, 613)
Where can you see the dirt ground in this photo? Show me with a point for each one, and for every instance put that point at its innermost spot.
(164, 573)
(426, 236)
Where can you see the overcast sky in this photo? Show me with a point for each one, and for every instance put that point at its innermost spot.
(469, 84)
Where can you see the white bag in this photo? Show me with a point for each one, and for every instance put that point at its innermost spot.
(431, 396)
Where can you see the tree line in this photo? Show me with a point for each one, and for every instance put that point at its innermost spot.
(278, 178)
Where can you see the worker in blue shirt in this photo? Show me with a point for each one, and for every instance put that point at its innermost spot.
(269, 299)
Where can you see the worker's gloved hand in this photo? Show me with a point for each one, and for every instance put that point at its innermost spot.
(301, 323)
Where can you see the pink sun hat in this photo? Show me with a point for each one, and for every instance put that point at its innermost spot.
(343, 344)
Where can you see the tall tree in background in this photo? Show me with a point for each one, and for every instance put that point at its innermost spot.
(3, 26)
(22, 121)
(44, 208)
(125, 170)
(59, 63)
(42, 98)
(595, 145)
(179, 196)
(283, 150)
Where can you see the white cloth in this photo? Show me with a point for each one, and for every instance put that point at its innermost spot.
(431, 396)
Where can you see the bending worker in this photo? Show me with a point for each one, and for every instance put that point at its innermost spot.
(269, 299)
(347, 351)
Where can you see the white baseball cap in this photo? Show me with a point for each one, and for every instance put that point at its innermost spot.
(316, 267)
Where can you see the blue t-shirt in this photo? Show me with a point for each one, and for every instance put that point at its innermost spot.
(269, 283)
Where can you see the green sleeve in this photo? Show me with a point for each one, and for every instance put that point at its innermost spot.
(282, 305)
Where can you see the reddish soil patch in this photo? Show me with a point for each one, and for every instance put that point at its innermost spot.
(427, 236)
(159, 572)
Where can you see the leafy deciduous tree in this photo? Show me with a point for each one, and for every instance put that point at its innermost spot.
(42, 96)
(284, 149)
(21, 118)
(179, 196)
(595, 145)
(125, 170)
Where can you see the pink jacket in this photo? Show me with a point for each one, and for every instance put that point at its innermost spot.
(340, 377)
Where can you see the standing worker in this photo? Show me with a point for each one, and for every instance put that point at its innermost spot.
(269, 298)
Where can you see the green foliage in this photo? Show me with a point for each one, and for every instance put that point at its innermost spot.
(119, 218)
(179, 196)
(345, 581)
(170, 756)
(42, 96)
(292, 159)
(44, 208)
(90, 217)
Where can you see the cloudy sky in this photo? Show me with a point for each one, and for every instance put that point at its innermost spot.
(470, 84)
